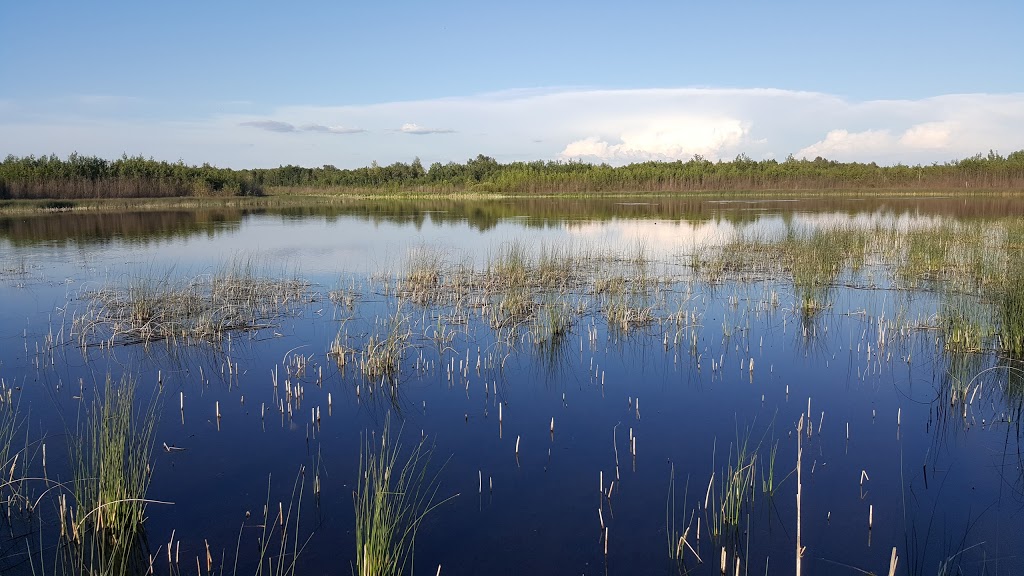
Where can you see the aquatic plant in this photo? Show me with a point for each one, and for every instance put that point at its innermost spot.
(424, 271)
(110, 454)
(815, 263)
(279, 542)
(551, 324)
(392, 497)
(625, 302)
(965, 323)
(768, 472)
(381, 355)
(735, 492)
(1011, 310)
(200, 309)
(10, 475)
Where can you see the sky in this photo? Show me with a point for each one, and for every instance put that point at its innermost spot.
(261, 84)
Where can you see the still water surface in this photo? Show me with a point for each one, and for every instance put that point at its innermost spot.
(940, 487)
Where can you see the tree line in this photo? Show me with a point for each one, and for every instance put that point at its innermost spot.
(80, 176)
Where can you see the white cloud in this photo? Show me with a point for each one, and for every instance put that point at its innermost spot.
(663, 139)
(928, 135)
(413, 128)
(615, 126)
(875, 144)
(843, 143)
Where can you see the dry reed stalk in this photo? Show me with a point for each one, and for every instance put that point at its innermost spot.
(799, 488)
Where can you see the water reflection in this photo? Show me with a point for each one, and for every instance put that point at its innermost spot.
(485, 215)
(650, 366)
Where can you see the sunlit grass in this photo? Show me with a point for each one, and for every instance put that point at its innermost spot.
(393, 496)
(149, 308)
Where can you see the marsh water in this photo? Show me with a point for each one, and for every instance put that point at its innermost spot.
(662, 412)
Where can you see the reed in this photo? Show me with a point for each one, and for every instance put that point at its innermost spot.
(1011, 310)
(815, 263)
(382, 352)
(424, 274)
(966, 323)
(110, 455)
(625, 302)
(12, 495)
(768, 472)
(279, 543)
(393, 496)
(551, 324)
(735, 493)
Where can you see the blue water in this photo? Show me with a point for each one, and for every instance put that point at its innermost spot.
(942, 487)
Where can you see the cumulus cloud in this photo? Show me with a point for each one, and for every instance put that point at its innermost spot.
(930, 135)
(669, 138)
(413, 128)
(843, 143)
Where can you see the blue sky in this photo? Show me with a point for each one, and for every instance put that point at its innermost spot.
(247, 84)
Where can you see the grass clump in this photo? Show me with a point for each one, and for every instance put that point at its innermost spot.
(625, 302)
(736, 492)
(392, 498)
(382, 353)
(424, 276)
(1011, 311)
(203, 308)
(965, 323)
(815, 263)
(551, 324)
(110, 455)
(510, 276)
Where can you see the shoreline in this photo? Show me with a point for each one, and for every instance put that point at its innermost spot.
(314, 197)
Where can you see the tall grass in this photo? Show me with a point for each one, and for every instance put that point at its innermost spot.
(382, 353)
(736, 490)
(10, 426)
(815, 263)
(110, 455)
(394, 495)
(424, 273)
(966, 323)
(1011, 310)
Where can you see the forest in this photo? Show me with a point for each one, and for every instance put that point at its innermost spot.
(81, 177)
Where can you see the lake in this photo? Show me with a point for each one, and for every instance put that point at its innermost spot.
(700, 361)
